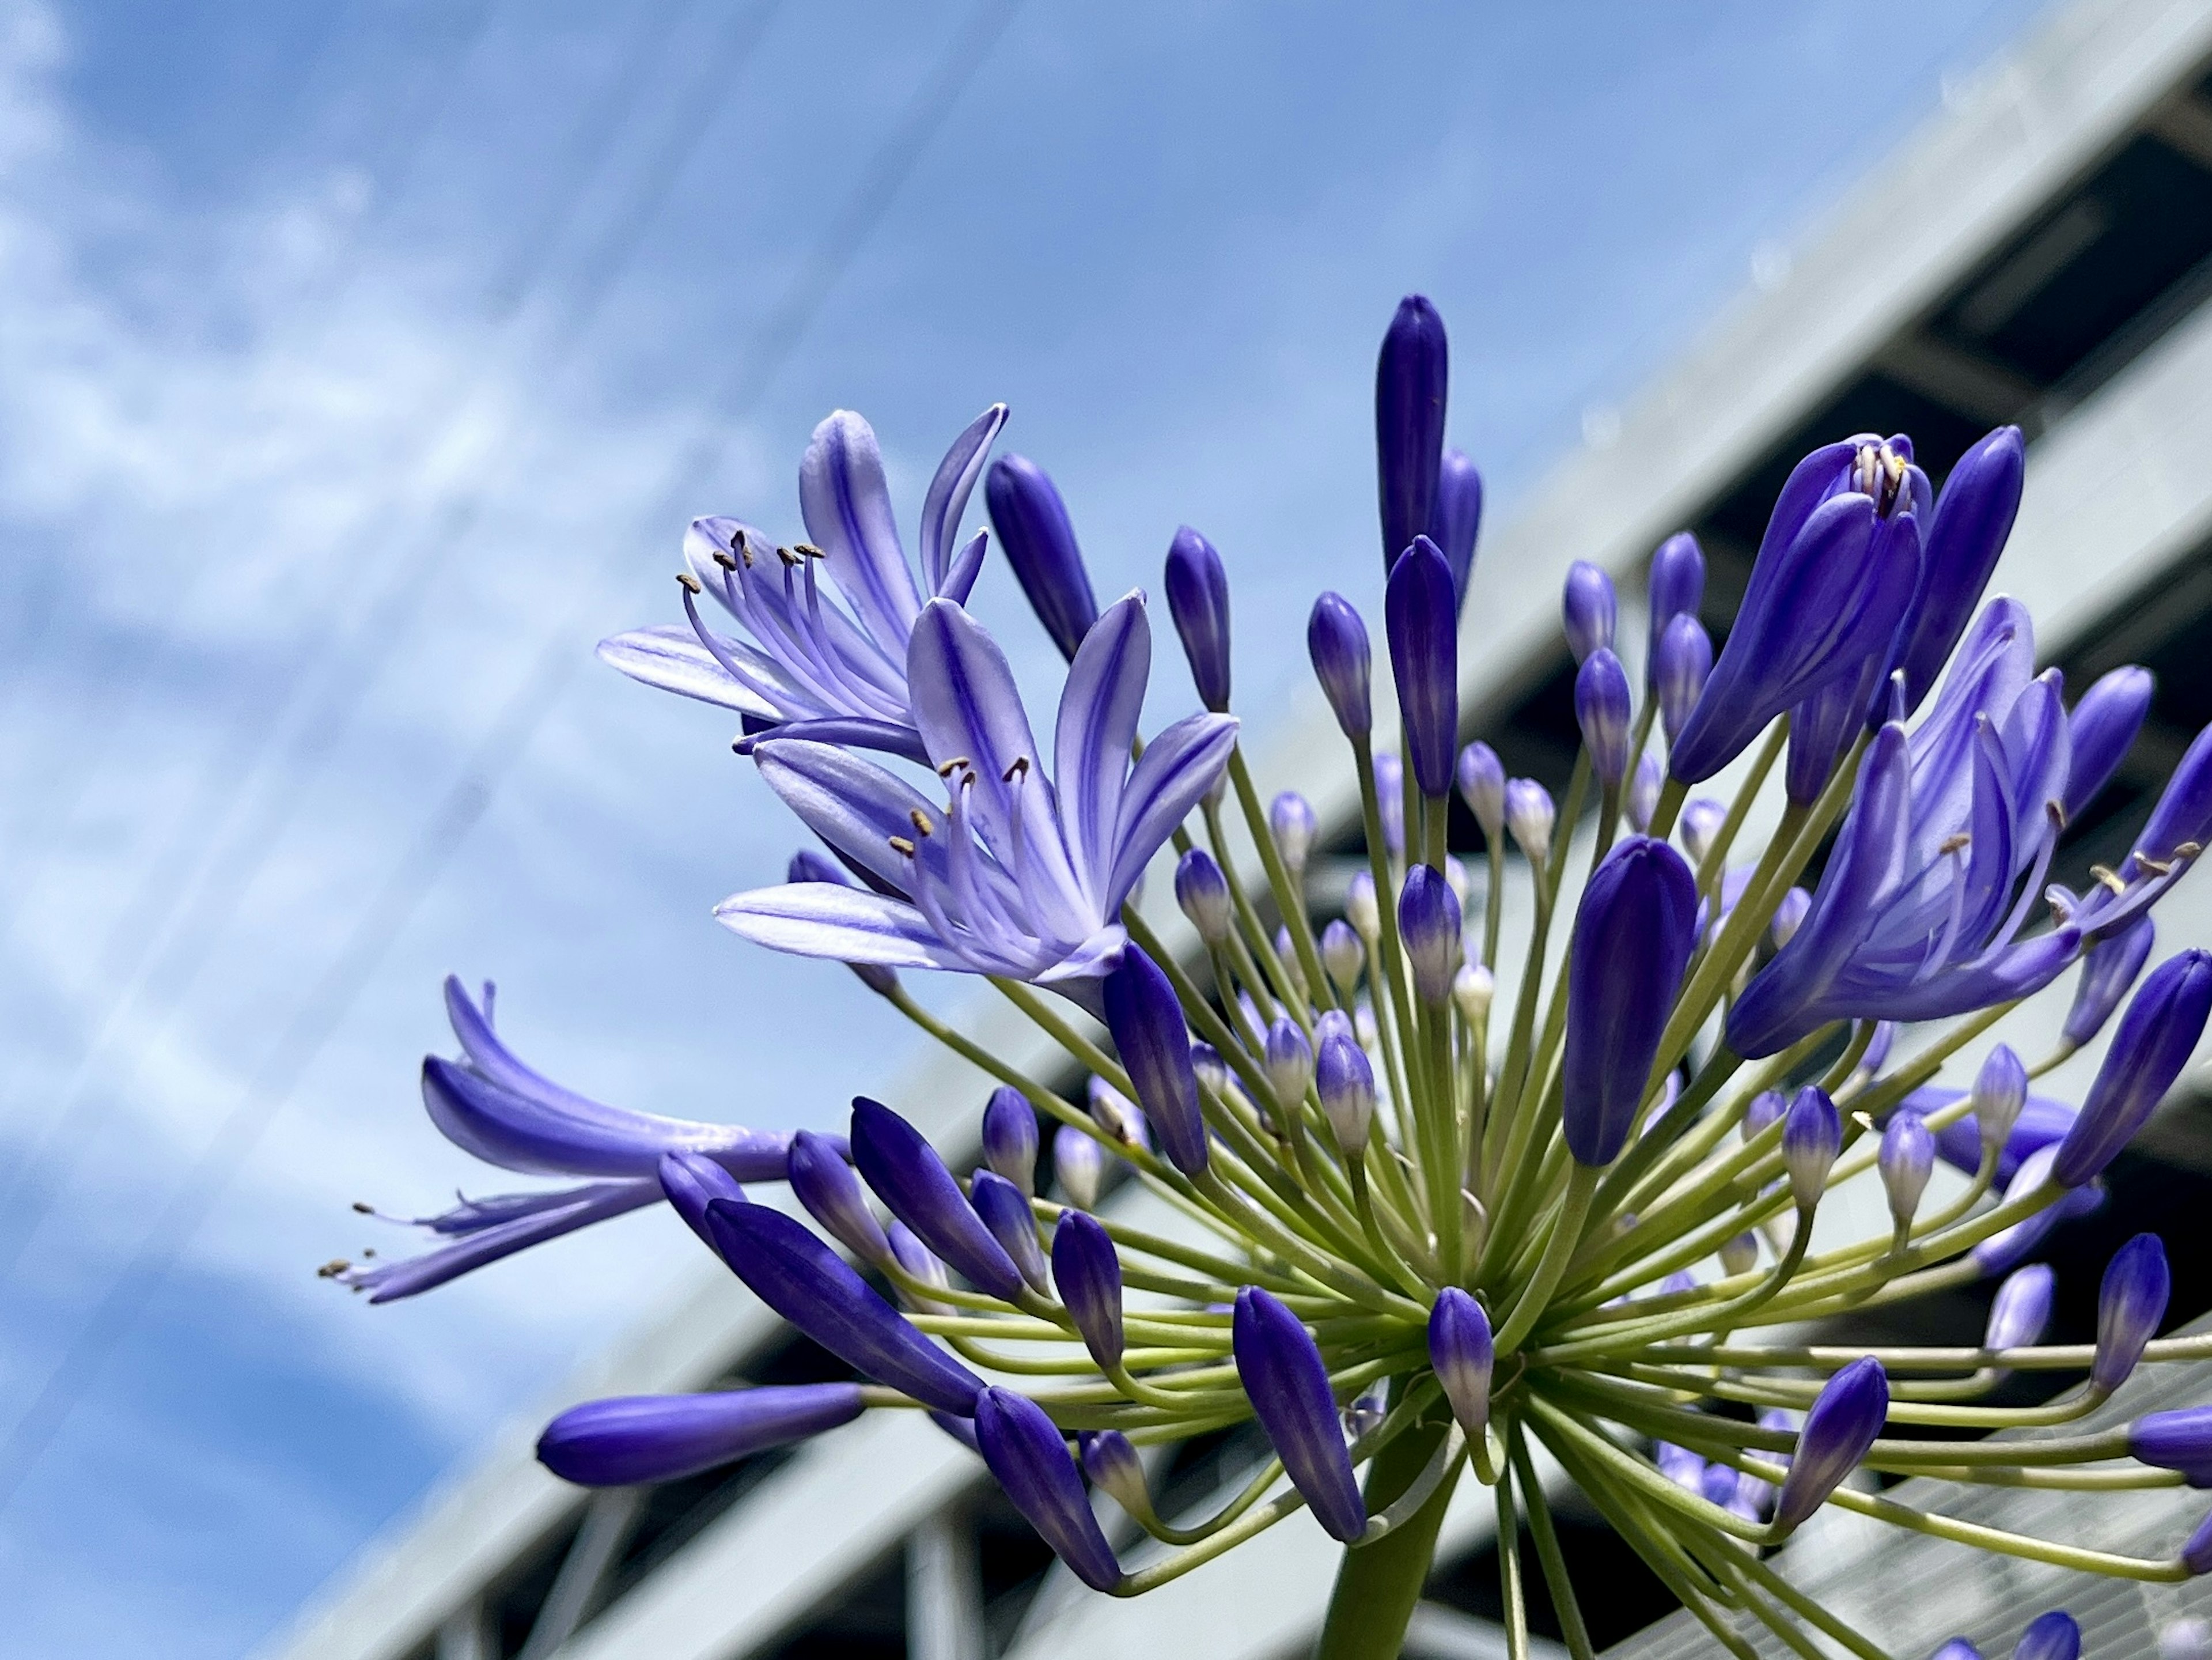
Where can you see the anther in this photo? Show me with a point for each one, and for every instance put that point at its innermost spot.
(2155, 867)
(1019, 770)
(945, 769)
(332, 1270)
(1955, 843)
(921, 824)
(724, 560)
(2104, 873)
(788, 557)
(809, 549)
(687, 582)
(362, 1207)
(900, 845)
(745, 551)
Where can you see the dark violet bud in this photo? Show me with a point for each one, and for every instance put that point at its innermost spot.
(1633, 932)
(1111, 1463)
(2000, 1094)
(2183, 817)
(1080, 1163)
(1410, 383)
(1033, 528)
(2148, 1050)
(1456, 520)
(1292, 822)
(824, 1183)
(1029, 1456)
(2197, 1554)
(1812, 1136)
(1005, 1209)
(1644, 792)
(2179, 1440)
(1289, 1062)
(804, 1281)
(2108, 970)
(2020, 1311)
(1679, 665)
(1966, 534)
(1764, 1109)
(1336, 640)
(1482, 783)
(1287, 1382)
(1197, 599)
(2052, 1636)
(1587, 607)
(1844, 1422)
(1089, 1275)
(2100, 730)
(909, 1177)
(1390, 802)
(691, 1180)
(1907, 1158)
(637, 1439)
(1010, 1138)
(1428, 921)
(1461, 1351)
(1145, 1019)
(1529, 816)
(1342, 957)
(1346, 1082)
(1203, 892)
(808, 866)
(1602, 709)
(2130, 1308)
(1421, 619)
(1677, 589)
(1957, 1649)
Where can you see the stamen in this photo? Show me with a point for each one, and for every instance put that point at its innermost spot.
(1957, 844)
(945, 769)
(332, 1270)
(809, 549)
(788, 557)
(724, 560)
(921, 824)
(689, 582)
(900, 845)
(1019, 770)
(2105, 874)
(745, 551)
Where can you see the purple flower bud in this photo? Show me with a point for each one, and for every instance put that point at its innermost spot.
(2183, 817)
(1461, 1351)
(1529, 816)
(1788, 917)
(1342, 957)
(1080, 1163)
(824, 1183)
(1143, 1014)
(1602, 709)
(1428, 921)
(808, 866)
(636, 1438)
(2108, 969)
(1197, 599)
(1291, 820)
(1209, 1069)
(1966, 534)
(1346, 1082)
(1336, 640)
(1644, 792)
(1680, 1465)
(691, 1181)
(1289, 1062)
(1039, 543)
(920, 1264)
(2187, 1638)
(1410, 382)
(1456, 518)
(909, 1177)
(1390, 802)
(1957, 1649)
(1717, 1486)
(2052, 1636)
(1422, 621)
(2130, 1308)
(1089, 1275)
(1812, 1136)
(1005, 1209)
(2001, 1250)
(2021, 1312)
(1029, 1456)
(2152, 1044)
(2196, 1554)
(1589, 609)
(1681, 663)
(1118, 1115)
(1294, 972)
(1010, 1138)
(2000, 1093)
(1633, 932)
(1482, 783)
(1203, 892)
(1702, 818)
(2100, 730)
(1740, 1255)
(1844, 1422)
(804, 1281)
(1906, 1159)
(1677, 588)
(1287, 1382)
(2179, 1440)
(1111, 1463)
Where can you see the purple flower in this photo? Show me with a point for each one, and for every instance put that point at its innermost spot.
(1834, 574)
(809, 668)
(483, 1231)
(2109, 968)
(1089, 1275)
(2001, 1250)
(2179, 1440)
(1287, 1382)
(1345, 1079)
(1461, 1351)
(1198, 600)
(1456, 518)
(2130, 1308)
(2169, 846)
(805, 1282)
(1967, 532)
(1336, 640)
(1033, 527)
(1633, 933)
(1957, 1649)
(1588, 608)
(1028, 1454)
(1677, 588)
(824, 1184)
(1021, 875)
(2102, 728)
(909, 1177)
(690, 1183)
(1005, 1209)
(1812, 1136)
(2154, 1043)
(1422, 621)
(1602, 709)
(664, 1437)
(1429, 921)
(1765, 1108)
(1146, 1019)
(1410, 383)
(2021, 1312)
(1682, 662)
(1010, 1137)
(1840, 1428)
(2197, 1554)
(1482, 783)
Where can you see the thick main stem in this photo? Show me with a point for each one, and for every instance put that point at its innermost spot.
(1378, 1585)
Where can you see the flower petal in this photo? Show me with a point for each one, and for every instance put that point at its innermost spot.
(854, 805)
(1098, 710)
(948, 495)
(1178, 767)
(846, 925)
(847, 509)
(671, 657)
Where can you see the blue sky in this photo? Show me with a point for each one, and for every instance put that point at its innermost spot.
(361, 366)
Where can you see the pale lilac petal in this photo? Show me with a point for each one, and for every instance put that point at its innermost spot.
(1179, 767)
(1098, 710)
(1096, 955)
(854, 805)
(671, 657)
(846, 925)
(948, 498)
(847, 509)
(966, 566)
(848, 730)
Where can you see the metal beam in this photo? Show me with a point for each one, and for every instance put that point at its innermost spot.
(943, 1589)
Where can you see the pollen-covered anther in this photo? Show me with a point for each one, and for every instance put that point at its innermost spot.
(900, 845)
(687, 582)
(946, 769)
(807, 549)
(788, 557)
(2109, 877)
(1019, 768)
(1955, 843)
(332, 1270)
(923, 826)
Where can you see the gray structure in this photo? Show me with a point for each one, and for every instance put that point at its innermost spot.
(2040, 253)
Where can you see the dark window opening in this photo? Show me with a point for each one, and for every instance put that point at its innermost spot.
(866, 1621)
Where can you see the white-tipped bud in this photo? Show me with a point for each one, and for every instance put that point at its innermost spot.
(1456, 879)
(1740, 1254)
(1908, 1154)
(1360, 909)
(1289, 1062)
(1342, 958)
(1473, 987)
(2000, 1092)
(1700, 823)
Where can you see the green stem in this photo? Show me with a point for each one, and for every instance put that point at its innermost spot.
(1378, 1585)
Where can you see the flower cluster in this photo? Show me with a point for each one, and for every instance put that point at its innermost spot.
(1416, 1227)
